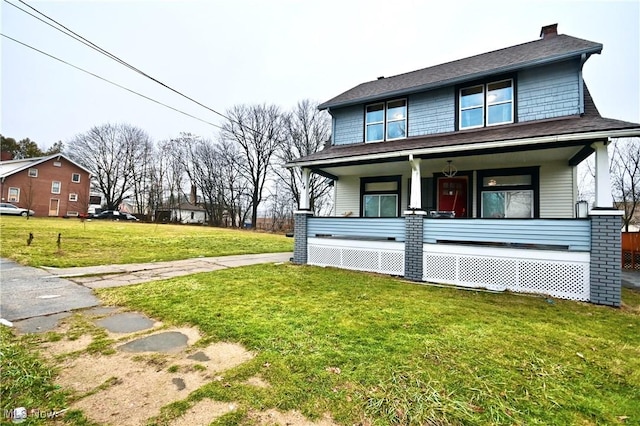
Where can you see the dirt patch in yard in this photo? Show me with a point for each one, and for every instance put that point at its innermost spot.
(129, 388)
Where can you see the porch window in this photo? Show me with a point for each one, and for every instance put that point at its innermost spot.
(486, 104)
(509, 193)
(380, 196)
(386, 121)
(380, 205)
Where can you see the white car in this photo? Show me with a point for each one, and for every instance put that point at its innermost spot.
(6, 208)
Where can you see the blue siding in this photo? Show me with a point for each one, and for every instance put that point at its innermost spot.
(549, 91)
(348, 124)
(432, 112)
(380, 228)
(574, 234)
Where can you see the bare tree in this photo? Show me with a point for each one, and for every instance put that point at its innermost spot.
(111, 153)
(257, 130)
(306, 131)
(625, 177)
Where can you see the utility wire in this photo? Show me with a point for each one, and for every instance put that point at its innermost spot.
(108, 81)
(70, 33)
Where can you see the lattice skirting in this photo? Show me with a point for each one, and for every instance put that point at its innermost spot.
(385, 257)
(556, 273)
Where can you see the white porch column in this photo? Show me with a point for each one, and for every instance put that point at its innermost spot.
(304, 194)
(415, 202)
(603, 180)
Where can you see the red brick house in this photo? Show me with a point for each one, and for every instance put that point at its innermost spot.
(50, 186)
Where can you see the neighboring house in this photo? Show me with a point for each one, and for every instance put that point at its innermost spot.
(185, 213)
(465, 173)
(51, 186)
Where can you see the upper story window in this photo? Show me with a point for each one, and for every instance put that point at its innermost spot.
(386, 121)
(33, 172)
(55, 187)
(486, 104)
(75, 177)
(57, 164)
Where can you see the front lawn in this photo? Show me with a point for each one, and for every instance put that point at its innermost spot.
(369, 348)
(100, 242)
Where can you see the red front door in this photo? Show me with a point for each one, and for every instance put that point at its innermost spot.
(452, 195)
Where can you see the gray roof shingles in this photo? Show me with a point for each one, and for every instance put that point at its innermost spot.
(547, 50)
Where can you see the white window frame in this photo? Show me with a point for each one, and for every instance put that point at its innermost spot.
(385, 120)
(33, 172)
(15, 199)
(57, 164)
(374, 123)
(73, 197)
(53, 187)
(74, 175)
(486, 104)
(461, 109)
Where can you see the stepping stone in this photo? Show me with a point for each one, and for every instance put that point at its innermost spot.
(168, 342)
(40, 324)
(199, 356)
(179, 383)
(126, 322)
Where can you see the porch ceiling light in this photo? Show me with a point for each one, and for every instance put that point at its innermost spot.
(449, 170)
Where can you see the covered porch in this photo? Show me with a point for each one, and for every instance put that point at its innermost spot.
(500, 218)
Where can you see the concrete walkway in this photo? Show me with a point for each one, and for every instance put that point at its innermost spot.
(29, 293)
(104, 276)
(631, 279)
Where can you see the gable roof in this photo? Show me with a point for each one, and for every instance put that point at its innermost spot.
(574, 128)
(539, 52)
(10, 167)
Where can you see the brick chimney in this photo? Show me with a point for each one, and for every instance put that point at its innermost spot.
(549, 31)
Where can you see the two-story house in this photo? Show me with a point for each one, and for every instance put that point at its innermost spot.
(465, 173)
(50, 186)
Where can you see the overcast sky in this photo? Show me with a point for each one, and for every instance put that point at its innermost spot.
(224, 53)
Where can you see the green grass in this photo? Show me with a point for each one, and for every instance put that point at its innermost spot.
(27, 381)
(106, 242)
(370, 348)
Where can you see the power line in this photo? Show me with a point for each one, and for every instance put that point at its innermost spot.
(70, 33)
(108, 81)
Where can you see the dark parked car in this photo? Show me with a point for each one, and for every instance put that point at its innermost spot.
(6, 208)
(114, 215)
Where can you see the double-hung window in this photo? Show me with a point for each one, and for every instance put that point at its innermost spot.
(386, 121)
(380, 196)
(55, 187)
(75, 177)
(14, 195)
(487, 104)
